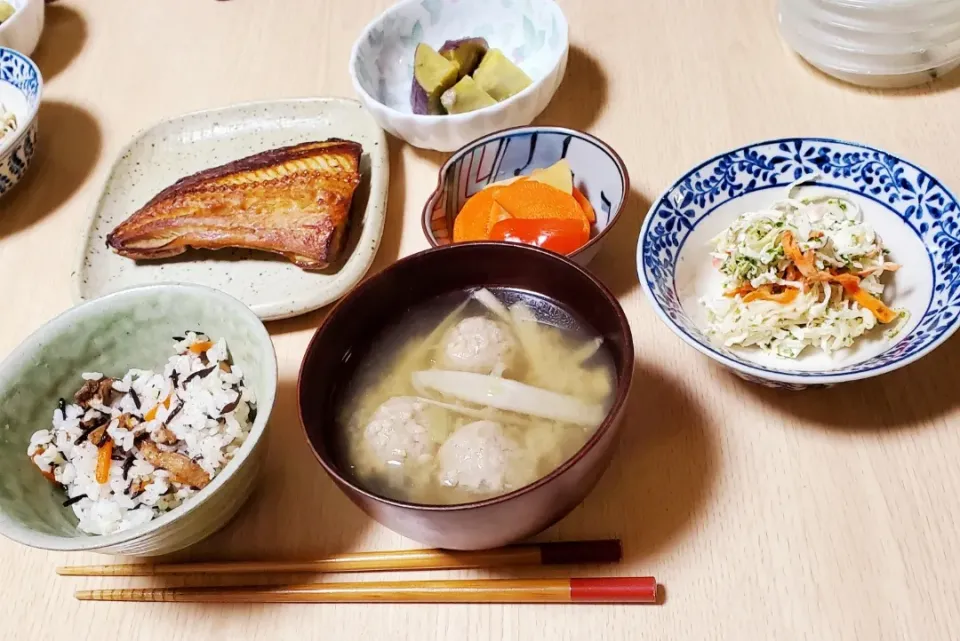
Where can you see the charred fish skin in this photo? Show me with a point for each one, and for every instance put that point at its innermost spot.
(294, 201)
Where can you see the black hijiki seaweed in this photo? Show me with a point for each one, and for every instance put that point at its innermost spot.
(62, 406)
(198, 374)
(87, 431)
(74, 499)
(127, 464)
(232, 405)
(175, 378)
(136, 399)
(174, 412)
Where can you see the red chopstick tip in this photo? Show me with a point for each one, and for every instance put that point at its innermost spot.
(615, 589)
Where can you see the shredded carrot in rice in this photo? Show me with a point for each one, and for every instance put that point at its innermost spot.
(201, 347)
(104, 458)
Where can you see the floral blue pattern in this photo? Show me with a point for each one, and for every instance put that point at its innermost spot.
(923, 203)
(18, 71)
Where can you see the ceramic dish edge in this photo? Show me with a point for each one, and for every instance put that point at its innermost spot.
(266, 312)
(755, 373)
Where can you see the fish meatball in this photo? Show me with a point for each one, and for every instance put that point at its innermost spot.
(478, 457)
(479, 345)
(398, 431)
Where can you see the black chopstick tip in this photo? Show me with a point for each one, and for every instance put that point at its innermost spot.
(581, 552)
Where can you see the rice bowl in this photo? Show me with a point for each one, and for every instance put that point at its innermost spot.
(130, 449)
(129, 329)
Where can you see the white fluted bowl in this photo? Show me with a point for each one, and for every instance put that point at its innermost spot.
(532, 33)
(22, 30)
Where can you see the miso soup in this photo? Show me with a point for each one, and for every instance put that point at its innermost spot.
(474, 395)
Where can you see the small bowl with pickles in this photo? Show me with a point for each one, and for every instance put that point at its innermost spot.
(556, 188)
(439, 74)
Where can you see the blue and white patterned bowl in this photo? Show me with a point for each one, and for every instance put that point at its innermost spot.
(532, 33)
(597, 171)
(20, 88)
(917, 217)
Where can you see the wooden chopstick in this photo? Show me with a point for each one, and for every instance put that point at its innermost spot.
(557, 553)
(586, 590)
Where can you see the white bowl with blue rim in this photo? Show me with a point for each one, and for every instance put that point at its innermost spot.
(532, 33)
(598, 172)
(915, 214)
(21, 86)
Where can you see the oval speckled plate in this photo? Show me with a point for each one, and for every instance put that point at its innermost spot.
(272, 287)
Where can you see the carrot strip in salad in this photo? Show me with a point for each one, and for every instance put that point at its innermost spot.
(743, 290)
(765, 292)
(883, 313)
(851, 285)
(792, 273)
(819, 258)
(804, 261)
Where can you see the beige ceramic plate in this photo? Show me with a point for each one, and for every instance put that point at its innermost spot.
(269, 285)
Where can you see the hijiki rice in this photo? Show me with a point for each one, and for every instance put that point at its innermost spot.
(127, 450)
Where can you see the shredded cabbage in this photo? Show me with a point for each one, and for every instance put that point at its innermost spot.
(751, 255)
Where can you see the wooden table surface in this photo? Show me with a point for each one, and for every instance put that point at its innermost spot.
(823, 515)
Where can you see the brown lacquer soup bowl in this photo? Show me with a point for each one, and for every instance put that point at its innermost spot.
(342, 343)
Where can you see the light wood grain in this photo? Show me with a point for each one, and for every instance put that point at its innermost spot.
(824, 515)
(463, 591)
(603, 590)
(512, 556)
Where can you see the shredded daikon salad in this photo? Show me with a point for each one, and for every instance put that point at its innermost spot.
(803, 273)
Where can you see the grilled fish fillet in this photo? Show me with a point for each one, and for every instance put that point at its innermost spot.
(293, 201)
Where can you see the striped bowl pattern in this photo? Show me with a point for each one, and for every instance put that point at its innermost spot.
(598, 172)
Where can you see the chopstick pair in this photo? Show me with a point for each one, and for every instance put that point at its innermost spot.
(568, 590)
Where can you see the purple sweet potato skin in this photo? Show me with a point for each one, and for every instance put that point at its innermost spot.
(468, 52)
(422, 100)
(419, 101)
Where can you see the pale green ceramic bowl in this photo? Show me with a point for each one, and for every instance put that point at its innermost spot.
(131, 328)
